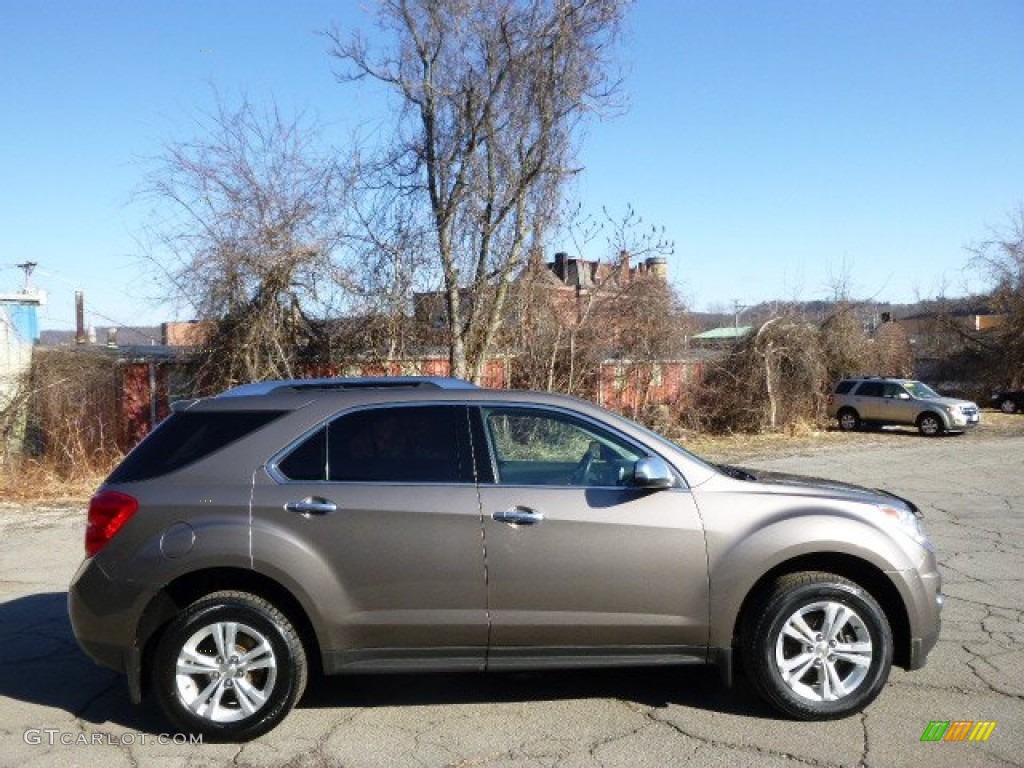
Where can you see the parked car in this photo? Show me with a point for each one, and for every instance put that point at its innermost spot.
(1009, 401)
(391, 525)
(857, 403)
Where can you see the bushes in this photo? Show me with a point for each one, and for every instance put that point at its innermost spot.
(72, 411)
(780, 376)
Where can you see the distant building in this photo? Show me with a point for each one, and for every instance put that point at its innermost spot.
(19, 331)
(190, 334)
(571, 282)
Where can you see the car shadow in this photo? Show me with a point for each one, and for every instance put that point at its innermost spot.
(42, 664)
(658, 687)
(895, 432)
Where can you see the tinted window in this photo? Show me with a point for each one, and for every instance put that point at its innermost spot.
(844, 387)
(308, 460)
(422, 444)
(183, 438)
(532, 447)
(870, 389)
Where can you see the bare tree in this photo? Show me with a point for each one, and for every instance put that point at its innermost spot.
(492, 93)
(561, 332)
(244, 224)
(1001, 258)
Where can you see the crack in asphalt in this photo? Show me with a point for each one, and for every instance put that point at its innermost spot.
(740, 747)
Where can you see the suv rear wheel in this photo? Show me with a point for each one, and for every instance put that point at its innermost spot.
(230, 667)
(817, 646)
(848, 420)
(930, 425)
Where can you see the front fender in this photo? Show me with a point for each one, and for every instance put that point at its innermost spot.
(736, 564)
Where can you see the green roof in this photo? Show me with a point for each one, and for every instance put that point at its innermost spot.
(727, 332)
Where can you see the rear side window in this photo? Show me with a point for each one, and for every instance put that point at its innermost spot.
(184, 438)
(844, 387)
(870, 389)
(416, 444)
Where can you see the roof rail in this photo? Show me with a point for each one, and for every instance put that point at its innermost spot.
(364, 382)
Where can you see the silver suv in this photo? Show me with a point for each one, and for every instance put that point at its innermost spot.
(424, 524)
(876, 402)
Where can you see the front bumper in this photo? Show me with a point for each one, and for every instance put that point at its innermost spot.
(921, 589)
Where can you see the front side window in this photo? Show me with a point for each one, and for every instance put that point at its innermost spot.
(893, 390)
(535, 447)
(418, 444)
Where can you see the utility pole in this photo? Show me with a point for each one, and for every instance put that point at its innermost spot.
(27, 267)
(738, 309)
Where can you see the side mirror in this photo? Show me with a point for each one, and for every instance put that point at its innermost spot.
(903, 396)
(652, 472)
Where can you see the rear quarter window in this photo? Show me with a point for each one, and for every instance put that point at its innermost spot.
(844, 387)
(186, 437)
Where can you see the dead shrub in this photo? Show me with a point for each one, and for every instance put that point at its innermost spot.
(72, 412)
(773, 379)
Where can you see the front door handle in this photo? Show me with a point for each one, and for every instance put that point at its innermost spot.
(519, 516)
(312, 505)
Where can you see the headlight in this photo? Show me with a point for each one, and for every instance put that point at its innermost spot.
(909, 523)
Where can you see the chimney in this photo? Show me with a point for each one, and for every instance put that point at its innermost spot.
(560, 262)
(657, 266)
(80, 337)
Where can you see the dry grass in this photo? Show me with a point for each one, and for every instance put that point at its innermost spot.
(39, 483)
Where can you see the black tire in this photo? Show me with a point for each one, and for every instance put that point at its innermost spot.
(1008, 406)
(930, 425)
(766, 649)
(231, 700)
(848, 419)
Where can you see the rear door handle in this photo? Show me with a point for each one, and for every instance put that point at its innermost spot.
(312, 505)
(519, 516)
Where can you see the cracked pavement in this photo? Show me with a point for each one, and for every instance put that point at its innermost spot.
(970, 488)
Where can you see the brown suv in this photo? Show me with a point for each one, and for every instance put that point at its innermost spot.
(424, 524)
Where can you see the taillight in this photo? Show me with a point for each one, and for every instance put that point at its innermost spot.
(108, 512)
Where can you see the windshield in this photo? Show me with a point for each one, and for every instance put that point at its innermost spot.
(919, 390)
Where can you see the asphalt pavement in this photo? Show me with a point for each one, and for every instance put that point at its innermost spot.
(58, 709)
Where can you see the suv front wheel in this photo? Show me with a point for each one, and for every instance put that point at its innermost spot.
(229, 667)
(930, 425)
(817, 646)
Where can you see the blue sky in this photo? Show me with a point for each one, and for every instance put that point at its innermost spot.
(781, 144)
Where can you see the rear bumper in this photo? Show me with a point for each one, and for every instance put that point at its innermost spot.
(104, 617)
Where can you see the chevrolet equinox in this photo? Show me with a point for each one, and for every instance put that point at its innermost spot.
(391, 525)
